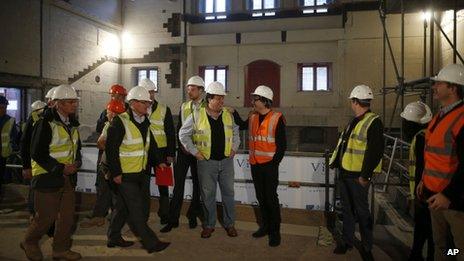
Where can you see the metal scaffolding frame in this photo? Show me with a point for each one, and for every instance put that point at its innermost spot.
(420, 86)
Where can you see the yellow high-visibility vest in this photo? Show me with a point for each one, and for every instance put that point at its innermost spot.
(352, 159)
(63, 146)
(6, 130)
(187, 109)
(133, 153)
(157, 125)
(412, 164)
(202, 132)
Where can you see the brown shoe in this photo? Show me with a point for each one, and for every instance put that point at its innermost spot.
(93, 222)
(207, 231)
(66, 255)
(32, 251)
(231, 232)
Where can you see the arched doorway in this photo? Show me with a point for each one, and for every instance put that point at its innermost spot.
(262, 72)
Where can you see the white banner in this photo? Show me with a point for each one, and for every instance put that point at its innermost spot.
(292, 169)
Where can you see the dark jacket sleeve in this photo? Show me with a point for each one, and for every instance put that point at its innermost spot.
(14, 135)
(170, 133)
(243, 125)
(281, 141)
(374, 150)
(25, 144)
(114, 139)
(41, 138)
(101, 122)
(455, 189)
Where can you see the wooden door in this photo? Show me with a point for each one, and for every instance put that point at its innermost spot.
(262, 72)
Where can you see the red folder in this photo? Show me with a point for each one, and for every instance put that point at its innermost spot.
(164, 176)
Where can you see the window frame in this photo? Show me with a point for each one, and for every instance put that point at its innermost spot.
(148, 69)
(262, 12)
(214, 16)
(313, 9)
(327, 65)
(203, 68)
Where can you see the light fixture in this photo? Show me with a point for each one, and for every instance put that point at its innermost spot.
(426, 15)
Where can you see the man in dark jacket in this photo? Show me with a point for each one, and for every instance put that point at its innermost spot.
(8, 141)
(129, 146)
(56, 157)
(358, 156)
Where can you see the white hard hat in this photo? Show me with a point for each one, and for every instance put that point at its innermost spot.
(216, 88)
(196, 80)
(417, 112)
(49, 94)
(37, 105)
(138, 93)
(148, 84)
(264, 91)
(362, 92)
(453, 73)
(64, 92)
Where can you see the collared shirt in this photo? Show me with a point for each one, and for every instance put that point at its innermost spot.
(64, 119)
(448, 108)
(137, 118)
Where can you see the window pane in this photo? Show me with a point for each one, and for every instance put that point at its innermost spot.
(209, 6)
(210, 17)
(322, 10)
(307, 79)
(321, 2)
(268, 4)
(142, 75)
(154, 77)
(308, 11)
(220, 5)
(209, 76)
(221, 17)
(322, 79)
(257, 14)
(269, 13)
(221, 77)
(308, 2)
(257, 4)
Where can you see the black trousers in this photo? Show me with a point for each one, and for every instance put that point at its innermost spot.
(354, 199)
(104, 196)
(183, 163)
(422, 232)
(130, 206)
(163, 211)
(266, 180)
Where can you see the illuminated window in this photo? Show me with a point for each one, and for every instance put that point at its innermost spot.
(314, 76)
(314, 6)
(214, 73)
(150, 73)
(214, 9)
(263, 7)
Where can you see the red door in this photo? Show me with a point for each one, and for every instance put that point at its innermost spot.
(262, 72)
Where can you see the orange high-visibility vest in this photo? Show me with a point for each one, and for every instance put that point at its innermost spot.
(261, 138)
(441, 160)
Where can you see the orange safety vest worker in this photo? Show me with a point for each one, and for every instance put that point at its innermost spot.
(262, 146)
(441, 160)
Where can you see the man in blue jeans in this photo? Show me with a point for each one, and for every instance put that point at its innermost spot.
(212, 136)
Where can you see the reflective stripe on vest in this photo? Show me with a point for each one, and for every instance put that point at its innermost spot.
(261, 139)
(202, 132)
(441, 159)
(352, 159)
(6, 130)
(157, 126)
(62, 147)
(185, 111)
(412, 164)
(133, 153)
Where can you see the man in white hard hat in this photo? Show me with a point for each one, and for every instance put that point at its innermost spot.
(162, 128)
(212, 136)
(443, 176)
(415, 116)
(358, 156)
(48, 97)
(56, 157)
(267, 145)
(37, 108)
(185, 160)
(129, 147)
